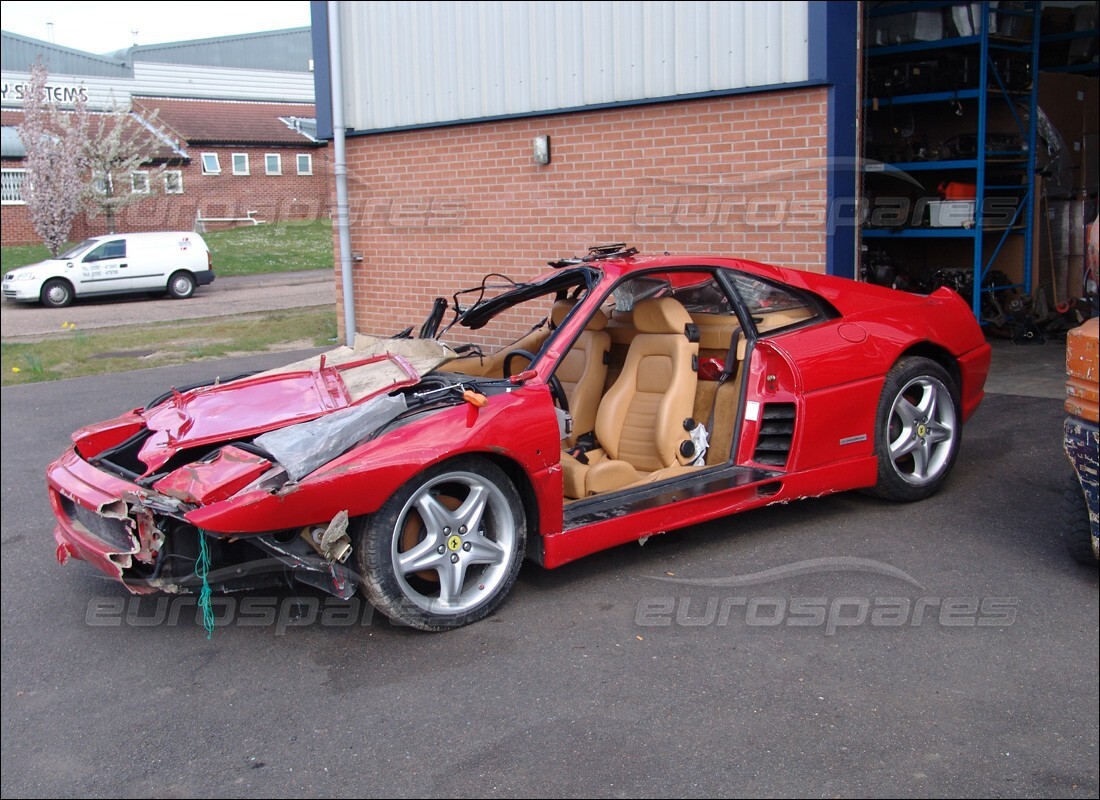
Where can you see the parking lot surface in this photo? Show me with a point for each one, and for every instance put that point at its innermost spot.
(840, 646)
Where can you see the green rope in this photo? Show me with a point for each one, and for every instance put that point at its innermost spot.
(202, 569)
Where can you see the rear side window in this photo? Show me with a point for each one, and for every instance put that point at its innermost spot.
(107, 250)
(774, 307)
(697, 292)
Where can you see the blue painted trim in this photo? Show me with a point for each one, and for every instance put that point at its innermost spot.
(833, 59)
(772, 87)
(817, 42)
(322, 90)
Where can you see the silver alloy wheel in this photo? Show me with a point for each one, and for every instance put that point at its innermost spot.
(469, 548)
(921, 431)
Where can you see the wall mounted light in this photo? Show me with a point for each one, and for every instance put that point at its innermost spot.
(542, 150)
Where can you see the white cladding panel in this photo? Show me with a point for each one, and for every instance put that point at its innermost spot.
(420, 63)
(171, 80)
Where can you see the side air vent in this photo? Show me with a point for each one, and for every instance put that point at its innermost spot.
(773, 445)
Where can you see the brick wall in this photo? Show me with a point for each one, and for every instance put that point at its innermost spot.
(275, 197)
(434, 209)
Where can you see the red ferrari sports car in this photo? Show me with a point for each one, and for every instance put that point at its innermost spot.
(616, 397)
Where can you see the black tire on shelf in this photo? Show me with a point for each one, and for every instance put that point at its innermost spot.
(918, 426)
(1075, 523)
(56, 293)
(446, 548)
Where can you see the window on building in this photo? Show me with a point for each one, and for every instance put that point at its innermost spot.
(240, 163)
(11, 187)
(102, 184)
(273, 164)
(210, 164)
(305, 164)
(173, 182)
(139, 182)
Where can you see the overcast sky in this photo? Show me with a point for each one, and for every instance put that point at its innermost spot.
(103, 27)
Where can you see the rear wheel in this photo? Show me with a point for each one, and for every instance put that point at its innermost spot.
(181, 285)
(446, 548)
(56, 293)
(917, 430)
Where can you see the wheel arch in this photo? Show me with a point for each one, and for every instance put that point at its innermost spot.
(522, 481)
(56, 279)
(940, 355)
(181, 271)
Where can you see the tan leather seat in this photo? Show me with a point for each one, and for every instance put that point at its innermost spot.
(640, 422)
(583, 370)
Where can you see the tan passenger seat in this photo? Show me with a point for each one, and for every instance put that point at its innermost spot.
(640, 422)
(583, 370)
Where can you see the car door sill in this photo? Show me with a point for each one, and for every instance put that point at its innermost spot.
(685, 487)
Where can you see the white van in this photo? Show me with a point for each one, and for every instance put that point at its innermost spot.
(174, 262)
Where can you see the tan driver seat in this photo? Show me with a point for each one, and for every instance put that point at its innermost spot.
(583, 370)
(640, 421)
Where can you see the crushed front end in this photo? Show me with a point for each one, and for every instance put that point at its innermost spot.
(128, 493)
(137, 530)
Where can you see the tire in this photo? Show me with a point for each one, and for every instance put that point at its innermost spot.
(1075, 523)
(56, 293)
(917, 430)
(181, 285)
(455, 568)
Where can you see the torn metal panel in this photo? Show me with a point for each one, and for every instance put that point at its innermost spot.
(229, 471)
(150, 537)
(265, 402)
(91, 440)
(332, 542)
(301, 449)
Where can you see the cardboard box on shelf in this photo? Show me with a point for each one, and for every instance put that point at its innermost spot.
(1072, 102)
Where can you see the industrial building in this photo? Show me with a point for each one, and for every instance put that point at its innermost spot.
(234, 116)
(897, 142)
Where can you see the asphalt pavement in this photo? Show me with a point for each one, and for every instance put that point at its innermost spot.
(224, 297)
(839, 646)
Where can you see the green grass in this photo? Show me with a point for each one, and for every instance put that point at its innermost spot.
(259, 249)
(101, 351)
(20, 255)
(249, 250)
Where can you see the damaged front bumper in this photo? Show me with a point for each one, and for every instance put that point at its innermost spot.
(143, 538)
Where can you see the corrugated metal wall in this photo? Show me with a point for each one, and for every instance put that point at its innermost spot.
(277, 50)
(20, 51)
(173, 80)
(417, 63)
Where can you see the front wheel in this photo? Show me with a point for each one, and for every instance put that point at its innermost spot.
(181, 285)
(917, 430)
(446, 548)
(56, 293)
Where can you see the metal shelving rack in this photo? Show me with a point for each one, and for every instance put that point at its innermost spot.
(1087, 68)
(987, 241)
